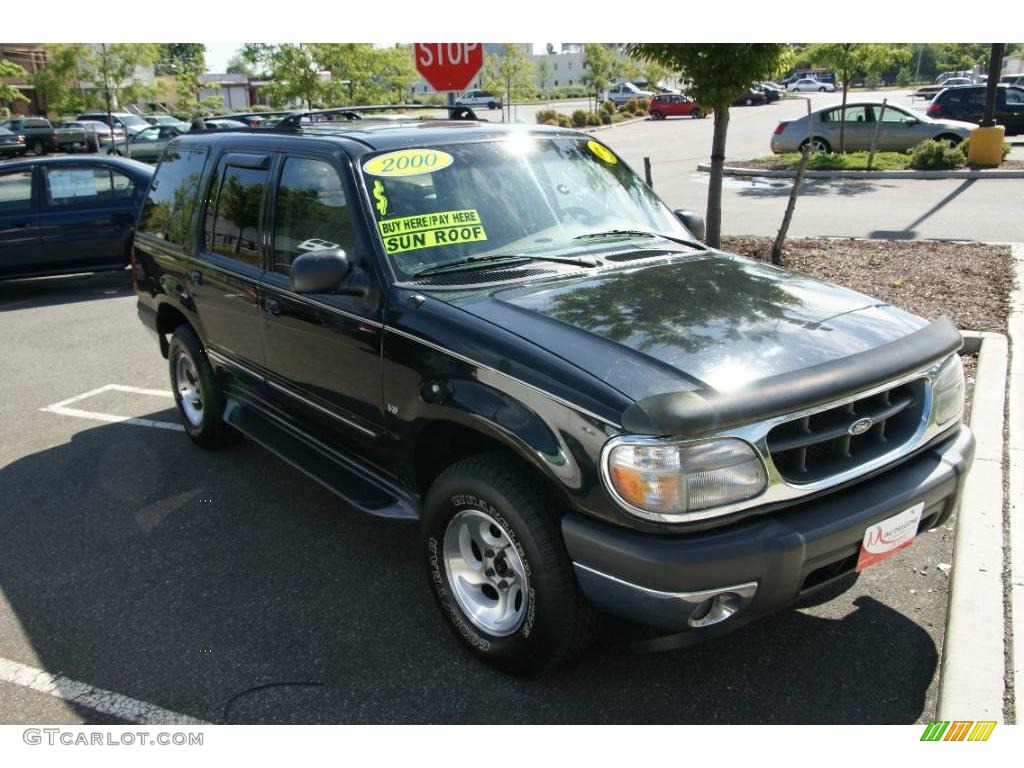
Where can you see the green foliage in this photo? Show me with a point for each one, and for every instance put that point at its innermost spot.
(599, 64)
(552, 122)
(832, 161)
(642, 105)
(542, 71)
(934, 155)
(609, 106)
(631, 106)
(593, 119)
(180, 58)
(111, 70)
(544, 115)
(9, 92)
(579, 118)
(606, 118)
(60, 82)
(564, 121)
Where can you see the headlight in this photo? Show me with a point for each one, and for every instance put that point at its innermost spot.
(666, 479)
(948, 391)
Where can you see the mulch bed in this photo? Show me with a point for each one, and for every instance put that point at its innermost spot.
(783, 165)
(969, 282)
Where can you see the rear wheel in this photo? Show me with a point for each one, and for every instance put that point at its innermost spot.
(492, 105)
(499, 569)
(949, 139)
(38, 148)
(696, 114)
(818, 144)
(656, 115)
(197, 393)
(821, 90)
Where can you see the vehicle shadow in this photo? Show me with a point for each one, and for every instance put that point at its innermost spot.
(226, 586)
(811, 188)
(65, 289)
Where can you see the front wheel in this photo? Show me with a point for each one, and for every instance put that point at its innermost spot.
(498, 567)
(493, 105)
(197, 393)
(656, 115)
(696, 114)
(949, 140)
(821, 90)
(38, 148)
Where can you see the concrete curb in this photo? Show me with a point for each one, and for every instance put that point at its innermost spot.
(596, 128)
(1016, 472)
(994, 173)
(972, 683)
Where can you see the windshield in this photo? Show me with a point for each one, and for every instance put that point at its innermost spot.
(523, 194)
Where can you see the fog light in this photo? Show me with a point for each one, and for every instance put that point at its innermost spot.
(718, 609)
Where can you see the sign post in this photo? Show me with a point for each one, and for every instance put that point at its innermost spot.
(448, 66)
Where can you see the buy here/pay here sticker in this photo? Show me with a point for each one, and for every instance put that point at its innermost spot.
(428, 230)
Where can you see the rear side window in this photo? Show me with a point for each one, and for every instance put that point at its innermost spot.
(16, 191)
(74, 186)
(233, 213)
(311, 211)
(173, 195)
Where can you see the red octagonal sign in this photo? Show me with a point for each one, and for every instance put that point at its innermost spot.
(448, 66)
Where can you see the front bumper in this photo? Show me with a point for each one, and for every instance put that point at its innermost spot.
(762, 564)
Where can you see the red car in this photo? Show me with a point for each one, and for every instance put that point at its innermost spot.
(673, 105)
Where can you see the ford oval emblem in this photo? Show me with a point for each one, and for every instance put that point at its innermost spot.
(860, 426)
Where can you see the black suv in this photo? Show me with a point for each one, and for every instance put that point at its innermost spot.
(500, 332)
(967, 103)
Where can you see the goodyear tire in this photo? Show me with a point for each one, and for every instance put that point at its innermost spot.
(499, 570)
(197, 393)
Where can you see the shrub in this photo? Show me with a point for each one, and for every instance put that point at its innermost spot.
(579, 118)
(543, 115)
(593, 119)
(606, 118)
(630, 106)
(564, 121)
(551, 122)
(643, 104)
(931, 155)
(609, 106)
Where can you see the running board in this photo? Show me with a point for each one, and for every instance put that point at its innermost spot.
(339, 474)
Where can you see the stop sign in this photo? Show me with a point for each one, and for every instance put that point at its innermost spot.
(448, 66)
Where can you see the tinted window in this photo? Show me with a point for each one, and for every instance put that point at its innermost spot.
(1014, 97)
(311, 211)
(16, 191)
(173, 195)
(233, 213)
(80, 185)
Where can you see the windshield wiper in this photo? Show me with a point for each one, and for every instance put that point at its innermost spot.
(483, 259)
(641, 232)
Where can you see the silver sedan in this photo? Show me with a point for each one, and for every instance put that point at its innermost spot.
(900, 129)
(147, 145)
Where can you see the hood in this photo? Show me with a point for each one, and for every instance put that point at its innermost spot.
(958, 125)
(711, 321)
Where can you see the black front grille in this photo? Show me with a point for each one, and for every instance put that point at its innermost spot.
(647, 253)
(821, 445)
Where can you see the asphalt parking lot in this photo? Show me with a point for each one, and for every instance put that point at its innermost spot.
(227, 587)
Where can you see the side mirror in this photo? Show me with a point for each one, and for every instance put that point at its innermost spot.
(911, 121)
(320, 271)
(692, 221)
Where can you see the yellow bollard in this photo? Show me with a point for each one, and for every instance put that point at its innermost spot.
(986, 146)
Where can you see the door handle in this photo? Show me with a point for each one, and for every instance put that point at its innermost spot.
(196, 276)
(272, 306)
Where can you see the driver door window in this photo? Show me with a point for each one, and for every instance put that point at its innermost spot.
(311, 212)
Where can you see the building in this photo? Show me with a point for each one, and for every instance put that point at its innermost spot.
(233, 88)
(31, 57)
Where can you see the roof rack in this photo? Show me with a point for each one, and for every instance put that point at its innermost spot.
(294, 119)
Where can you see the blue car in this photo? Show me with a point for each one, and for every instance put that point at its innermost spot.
(61, 215)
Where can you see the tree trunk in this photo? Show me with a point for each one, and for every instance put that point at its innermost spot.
(780, 239)
(713, 225)
(842, 124)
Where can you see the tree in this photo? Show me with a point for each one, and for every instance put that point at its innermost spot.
(60, 81)
(237, 65)
(294, 72)
(720, 72)
(600, 65)
(542, 69)
(515, 71)
(180, 58)
(111, 69)
(850, 59)
(10, 92)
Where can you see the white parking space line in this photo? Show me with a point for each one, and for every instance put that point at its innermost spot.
(63, 409)
(76, 692)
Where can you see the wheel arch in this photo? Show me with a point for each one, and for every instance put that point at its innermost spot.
(169, 317)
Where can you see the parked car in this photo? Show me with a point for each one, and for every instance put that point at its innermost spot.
(71, 137)
(170, 120)
(582, 405)
(771, 94)
(97, 134)
(674, 105)
(805, 84)
(146, 146)
(899, 130)
(478, 98)
(224, 124)
(749, 98)
(128, 122)
(967, 103)
(11, 143)
(1017, 80)
(39, 134)
(60, 215)
(623, 92)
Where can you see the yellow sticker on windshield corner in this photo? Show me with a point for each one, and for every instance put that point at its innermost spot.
(408, 162)
(429, 230)
(601, 151)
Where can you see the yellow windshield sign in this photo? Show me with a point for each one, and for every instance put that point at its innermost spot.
(408, 162)
(428, 230)
(601, 151)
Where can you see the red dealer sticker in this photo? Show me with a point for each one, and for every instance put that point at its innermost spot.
(889, 536)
